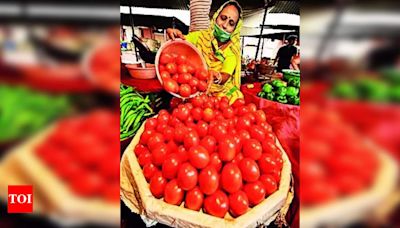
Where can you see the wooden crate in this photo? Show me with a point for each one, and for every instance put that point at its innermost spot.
(139, 199)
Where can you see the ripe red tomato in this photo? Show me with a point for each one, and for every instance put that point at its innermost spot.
(198, 156)
(243, 123)
(170, 166)
(238, 203)
(191, 69)
(155, 139)
(238, 103)
(150, 123)
(157, 185)
(168, 133)
(244, 135)
(260, 116)
(267, 163)
(252, 149)
(183, 69)
(172, 146)
(197, 113)
(215, 162)
(174, 56)
(208, 114)
(202, 86)
(269, 147)
(252, 107)
(194, 199)
(184, 78)
(182, 154)
(209, 180)
(197, 101)
(161, 128)
(243, 110)
(218, 131)
(163, 117)
(249, 169)
(269, 183)
(190, 139)
(181, 59)
(257, 132)
(179, 133)
(166, 58)
(194, 82)
(175, 77)
(217, 204)
(139, 149)
(227, 148)
(238, 141)
(159, 154)
(173, 194)
(228, 112)
(202, 128)
(171, 85)
(231, 178)
(144, 138)
(182, 113)
(187, 176)
(149, 170)
(171, 68)
(165, 75)
(202, 74)
(185, 90)
(209, 143)
(267, 127)
(255, 192)
(144, 158)
(161, 68)
(276, 174)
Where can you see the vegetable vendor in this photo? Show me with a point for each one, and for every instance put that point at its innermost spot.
(220, 46)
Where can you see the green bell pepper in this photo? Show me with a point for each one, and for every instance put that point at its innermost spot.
(295, 100)
(281, 91)
(270, 96)
(278, 83)
(292, 91)
(267, 88)
(281, 99)
(261, 94)
(295, 82)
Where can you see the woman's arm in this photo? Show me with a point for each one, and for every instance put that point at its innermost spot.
(175, 33)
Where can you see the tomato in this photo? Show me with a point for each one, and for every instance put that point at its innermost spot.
(243, 110)
(182, 154)
(185, 90)
(202, 128)
(194, 82)
(168, 133)
(197, 113)
(183, 69)
(150, 123)
(269, 147)
(257, 132)
(249, 169)
(184, 78)
(161, 68)
(215, 162)
(174, 56)
(238, 103)
(238, 141)
(255, 192)
(175, 77)
(231, 178)
(191, 68)
(172, 146)
(237, 159)
(208, 180)
(202, 74)
(149, 170)
(187, 176)
(165, 75)
(181, 59)
(171, 68)
(251, 117)
(228, 112)
(144, 138)
(144, 158)
(243, 123)
(194, 199)
(208, 114)
(170, 166)
(209, 143)
(197, 101)
(260, 116)
(159, 154)
(87, 183)
(219, 131)
(190, 139)
(252, 107)
(155, 139)
(182, 113)
(267, 127)
(217, 204)
(276, 174)
(161, 127)
(238, 203)
(173, 194)
(198, 156)
(171, 85)
(166, 58)
(163, 117)
(202, 86)
(227, 148)
(157, 185)
(179, 133)
(139, 149)
(267, 163)
(244, 135)
(252, 149)
(269, 183)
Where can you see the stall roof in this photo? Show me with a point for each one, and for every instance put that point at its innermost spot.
(153, 21)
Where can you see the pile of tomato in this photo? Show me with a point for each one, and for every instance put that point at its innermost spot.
(211, 156)
(335, 162)
(179, 76)
(82, 152)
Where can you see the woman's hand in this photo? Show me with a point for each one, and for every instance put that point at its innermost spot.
(219, 78)
(175, 33)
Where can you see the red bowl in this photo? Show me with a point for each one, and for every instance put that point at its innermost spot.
(180, 47)
(136, 71)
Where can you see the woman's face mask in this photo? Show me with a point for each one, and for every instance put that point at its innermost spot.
(220, 34)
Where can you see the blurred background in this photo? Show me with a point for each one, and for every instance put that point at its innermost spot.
(350, 113)
(59, 110)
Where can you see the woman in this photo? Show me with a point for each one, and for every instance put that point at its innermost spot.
(220, 46)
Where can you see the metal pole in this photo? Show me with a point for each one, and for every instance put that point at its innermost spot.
(133, 30)
(262, 47)
(261, 32)
(242, 44)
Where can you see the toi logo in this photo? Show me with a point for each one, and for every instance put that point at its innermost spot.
(20, 199)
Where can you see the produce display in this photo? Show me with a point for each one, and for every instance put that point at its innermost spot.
(208, 155)
(335, 161)
(282, 92)
(181, 77)
(87, 164)
(24, 111)
(134, 110)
